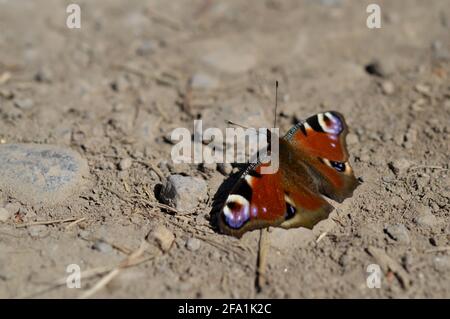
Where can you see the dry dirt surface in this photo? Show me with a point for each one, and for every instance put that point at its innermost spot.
(113, 91)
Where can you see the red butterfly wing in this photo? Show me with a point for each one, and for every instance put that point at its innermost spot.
(321, 142)
(257, 201)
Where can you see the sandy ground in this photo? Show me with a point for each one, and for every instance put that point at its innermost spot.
(118, 86)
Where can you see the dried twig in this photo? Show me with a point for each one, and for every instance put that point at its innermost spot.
(63, 281)
(4, 77)
(428, 166)
(438, 249)
(321, 236)
(75, 223)
(262, 259)
(153, 167)
(387, 263)
(49, 222)
(132, 260)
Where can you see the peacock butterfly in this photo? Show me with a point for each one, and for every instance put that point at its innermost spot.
(313, 161)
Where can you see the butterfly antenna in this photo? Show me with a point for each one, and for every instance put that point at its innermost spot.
(236, 124)
(276, 104)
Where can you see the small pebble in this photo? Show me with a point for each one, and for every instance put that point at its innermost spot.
(225, 168)
(24, 104)
(43, 75)
(440, 51)
(38, 231)
(125, 164)
(84, 234)
(424, 216)
(146, 48)
(13, 208)
(418, 104)
(398, 232)
(411, 135)
(193, 244)
(6, 93)
(4, 214)
(203, 81)
(181, 168)
(120, 84)
(207, 168)
(388, 87)
(162, 236)
(101, 246)
(423, 89)
(441, 263)
(399, 166)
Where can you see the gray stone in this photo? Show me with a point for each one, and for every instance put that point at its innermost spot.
(193, 244)
(183, 192)
(40, 174)
(398, 232)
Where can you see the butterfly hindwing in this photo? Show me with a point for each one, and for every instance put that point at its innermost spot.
(256, 201)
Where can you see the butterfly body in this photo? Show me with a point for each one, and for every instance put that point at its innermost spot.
(313, 162)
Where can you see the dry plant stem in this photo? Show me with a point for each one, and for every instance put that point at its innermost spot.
(322, 236)
(75, 222)
(62, 281)
(438, 249)
(133, 259)
(262, 258)
(56, 221)
(152, 167)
